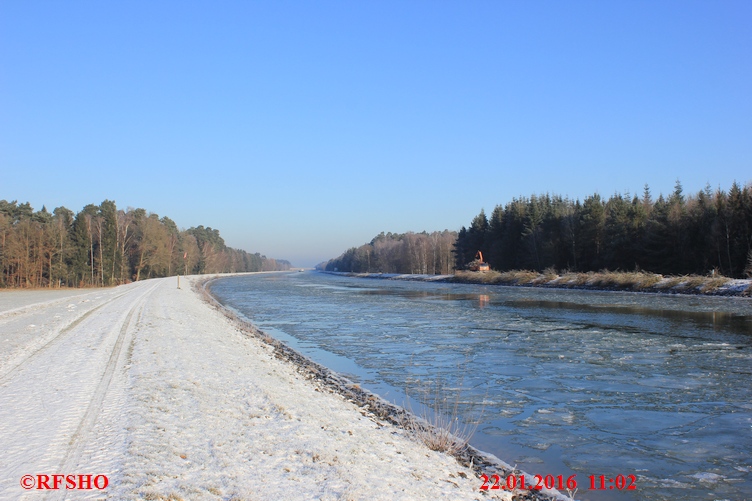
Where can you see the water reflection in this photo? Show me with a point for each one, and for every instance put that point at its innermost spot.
(483, 300)
(718, 319)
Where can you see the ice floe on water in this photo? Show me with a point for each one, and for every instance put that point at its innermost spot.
(708, 477)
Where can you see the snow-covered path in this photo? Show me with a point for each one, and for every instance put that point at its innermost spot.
(148, 385)
(59, 361)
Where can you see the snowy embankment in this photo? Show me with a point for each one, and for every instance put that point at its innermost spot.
(609, 281)
(152, 387)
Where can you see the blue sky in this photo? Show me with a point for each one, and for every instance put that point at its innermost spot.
(299, 129)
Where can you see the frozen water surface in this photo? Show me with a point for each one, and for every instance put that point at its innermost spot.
(566, 382)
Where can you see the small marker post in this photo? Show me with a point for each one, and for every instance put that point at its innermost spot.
(185, 264)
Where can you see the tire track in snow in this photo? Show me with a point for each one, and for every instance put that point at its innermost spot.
(50, 402)
(9, 373)
(73, 454)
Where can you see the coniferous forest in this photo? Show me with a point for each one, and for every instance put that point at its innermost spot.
(103, 245)
(706, 232)
(674, 235)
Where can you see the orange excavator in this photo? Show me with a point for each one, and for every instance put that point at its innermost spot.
(478, 264)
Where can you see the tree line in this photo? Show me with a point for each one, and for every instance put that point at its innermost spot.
(425, 253)
(102, 245)
(679, 234)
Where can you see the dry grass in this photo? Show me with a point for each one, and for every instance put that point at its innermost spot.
(692, 282)
(623, 280)
(649, 280)
(519, 277)
(573, 279)
(712, 284)
(516, 277)
(669, 283)
(153, 496)
(619, 280)
(548, 275)
(439, 425)
(474, 277)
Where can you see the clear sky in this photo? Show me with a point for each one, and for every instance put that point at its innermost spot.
(302, 128)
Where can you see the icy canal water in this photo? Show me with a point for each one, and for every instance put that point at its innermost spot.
(565, 382)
